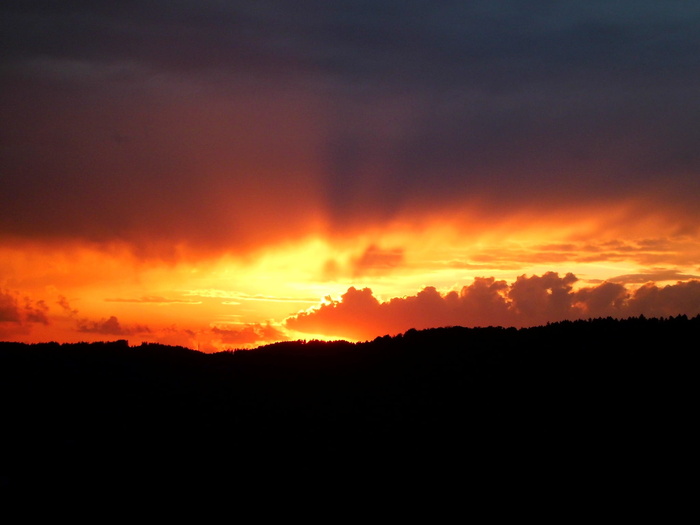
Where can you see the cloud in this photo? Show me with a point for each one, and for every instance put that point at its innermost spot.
(372, 261)
(656, 275)
(593, 246)
(654, 301)
(377, 110)
(538, 299)
(21, 311)
(604, 300)
(110, 326)
(375, 260)
(250, 334)
(9, 309)
(19, 314)
(65, 305)
(153, 299)
(528, 301)
(242, 296)
(36, 312)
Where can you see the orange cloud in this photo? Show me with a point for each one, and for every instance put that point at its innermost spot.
(655, 275)
(250, 334)
(17, 314)
(538, 299)
(376, 260)
(605, 300)
(373, 261)
(528, 301)
(654, 301)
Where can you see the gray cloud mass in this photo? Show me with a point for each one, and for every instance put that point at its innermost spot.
(188, 121)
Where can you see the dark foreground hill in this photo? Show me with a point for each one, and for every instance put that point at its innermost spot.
(566, 397)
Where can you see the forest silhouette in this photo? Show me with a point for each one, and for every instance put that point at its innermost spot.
(573, 393)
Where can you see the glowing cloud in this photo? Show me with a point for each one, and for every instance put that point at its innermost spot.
(248, 335)
(528, 301)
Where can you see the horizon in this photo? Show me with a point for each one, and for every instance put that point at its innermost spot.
(380, 338)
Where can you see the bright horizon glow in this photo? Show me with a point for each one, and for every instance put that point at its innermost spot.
(220, 302)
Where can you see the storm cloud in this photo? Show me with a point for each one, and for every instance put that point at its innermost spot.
(229, 125)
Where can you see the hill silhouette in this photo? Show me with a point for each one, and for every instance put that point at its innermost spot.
(566, 395)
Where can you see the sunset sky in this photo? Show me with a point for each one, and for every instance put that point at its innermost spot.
(225, 174)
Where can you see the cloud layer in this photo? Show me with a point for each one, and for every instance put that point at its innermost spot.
(231, 125)
(529, 301)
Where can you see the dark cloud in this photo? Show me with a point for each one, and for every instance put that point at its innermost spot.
(14, 309)
(360, 39)
(36, 312)
(166, 122)
(605, 300)
(538, 299)
(65, 305)
(654, 301)
(529, 301)
(9, 308)
(109, 326)
(19, 314)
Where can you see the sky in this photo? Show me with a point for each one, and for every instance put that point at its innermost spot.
(225, 174)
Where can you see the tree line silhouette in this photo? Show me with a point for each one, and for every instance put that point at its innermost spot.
(575, 390)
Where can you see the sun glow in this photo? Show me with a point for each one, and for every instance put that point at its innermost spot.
(95, 292)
